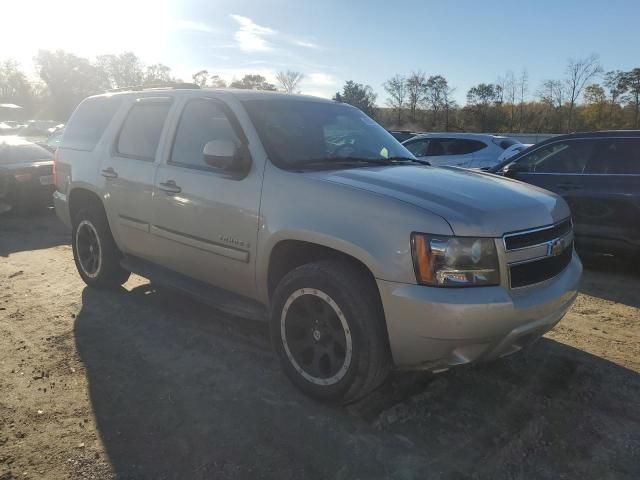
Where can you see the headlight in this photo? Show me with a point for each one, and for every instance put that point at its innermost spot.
(454, 261)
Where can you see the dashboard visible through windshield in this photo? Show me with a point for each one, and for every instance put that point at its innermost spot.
(299, 134)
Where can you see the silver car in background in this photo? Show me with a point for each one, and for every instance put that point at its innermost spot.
(467, 150)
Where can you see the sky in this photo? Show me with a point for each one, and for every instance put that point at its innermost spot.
(331, 41)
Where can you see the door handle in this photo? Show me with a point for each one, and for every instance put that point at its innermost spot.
(170, 187)
(109, 173)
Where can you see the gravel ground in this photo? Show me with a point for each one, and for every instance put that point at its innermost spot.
(147, 383)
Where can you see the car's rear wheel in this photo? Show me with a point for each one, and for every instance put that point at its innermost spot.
(328, 329)
(96, 255)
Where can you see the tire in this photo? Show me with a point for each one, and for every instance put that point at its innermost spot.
(333, 310)
(103, 270)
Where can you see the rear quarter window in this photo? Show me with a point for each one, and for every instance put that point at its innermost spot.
(88, 123)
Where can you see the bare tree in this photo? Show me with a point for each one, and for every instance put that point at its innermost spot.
(438, 98)
(396, 87)
(523, 89)
(510, 91)
(614, 81)
(289, 80)
(579, 73)
(416, 91)
(632, 85)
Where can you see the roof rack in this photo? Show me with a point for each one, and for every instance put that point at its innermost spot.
(155, 86)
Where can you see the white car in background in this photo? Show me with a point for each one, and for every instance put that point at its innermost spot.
(512, 150)
(467, 150)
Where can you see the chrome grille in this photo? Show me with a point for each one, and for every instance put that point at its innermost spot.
(539, 254)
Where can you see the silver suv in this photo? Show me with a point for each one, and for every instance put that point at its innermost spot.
(309, 213)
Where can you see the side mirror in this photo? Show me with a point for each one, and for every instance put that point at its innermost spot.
(512, 169)
(222, 154)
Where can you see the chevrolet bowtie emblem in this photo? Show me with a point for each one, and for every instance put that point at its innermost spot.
(556, 247)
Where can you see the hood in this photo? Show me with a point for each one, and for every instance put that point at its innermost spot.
(473, 203)
(44, 165)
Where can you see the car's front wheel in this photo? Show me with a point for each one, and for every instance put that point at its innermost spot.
(95, 253)
(328, 329)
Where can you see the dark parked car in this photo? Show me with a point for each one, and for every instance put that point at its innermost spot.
(598, 174)
(26, 174)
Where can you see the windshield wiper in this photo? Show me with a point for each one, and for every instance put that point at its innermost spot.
(408, 159)
(349, 161)
(340, 162)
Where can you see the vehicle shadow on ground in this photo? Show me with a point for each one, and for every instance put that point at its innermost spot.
(24, 230)
(612, 279)
(180, 390)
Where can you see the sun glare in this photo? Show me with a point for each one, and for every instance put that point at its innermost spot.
(85, 27)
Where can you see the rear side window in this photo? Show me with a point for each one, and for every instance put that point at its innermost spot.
(141, 130)
(418, 147)
(88, 122)
(616, 156)
(470, 146)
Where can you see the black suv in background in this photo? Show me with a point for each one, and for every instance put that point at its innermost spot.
(598, 174)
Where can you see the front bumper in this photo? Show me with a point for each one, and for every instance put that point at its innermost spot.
(62, 207)
(434, 328)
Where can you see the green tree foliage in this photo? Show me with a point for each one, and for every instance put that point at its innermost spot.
(481, 102)
(358, 95)
(123, 70)
(253, 82)
(14, 86)
(69, 79)
(157, 74)
(204, 80)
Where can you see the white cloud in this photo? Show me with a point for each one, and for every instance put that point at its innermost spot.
(321, 80)
(302, 43)
(192, 26)
(250, 35)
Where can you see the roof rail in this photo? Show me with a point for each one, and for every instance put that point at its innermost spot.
(152, 86)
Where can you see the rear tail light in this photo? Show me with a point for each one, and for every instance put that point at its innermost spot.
(55, 163)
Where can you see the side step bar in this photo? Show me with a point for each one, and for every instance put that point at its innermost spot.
(228, 302)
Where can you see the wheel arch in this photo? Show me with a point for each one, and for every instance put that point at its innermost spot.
(289, 253)
(80, 197)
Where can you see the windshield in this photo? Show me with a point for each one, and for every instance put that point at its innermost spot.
(298, 133)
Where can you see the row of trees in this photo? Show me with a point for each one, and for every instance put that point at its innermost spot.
(586, 98)
(65, 79)
(575, 102)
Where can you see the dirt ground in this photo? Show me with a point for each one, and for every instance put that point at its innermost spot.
(149, 384)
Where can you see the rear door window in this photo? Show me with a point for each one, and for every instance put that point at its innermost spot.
(88, 122)
(454, 146)
(616, 156)
(560, 157)
(141, 130)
